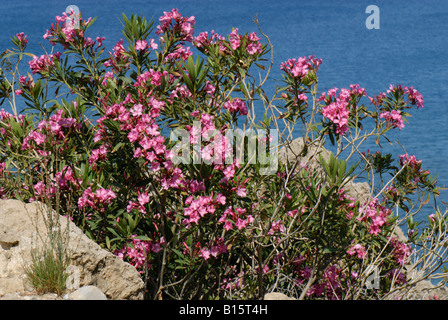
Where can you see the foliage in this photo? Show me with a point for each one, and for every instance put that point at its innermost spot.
(204, 227)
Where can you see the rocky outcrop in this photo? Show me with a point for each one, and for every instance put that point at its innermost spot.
(290, 153)
(24, 228)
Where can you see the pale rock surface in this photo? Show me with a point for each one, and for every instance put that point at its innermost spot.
(86, 293)
(23, 228)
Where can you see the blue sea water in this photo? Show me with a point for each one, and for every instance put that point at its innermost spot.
(409, 48)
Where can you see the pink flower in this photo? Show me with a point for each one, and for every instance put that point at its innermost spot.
(200, 207)
(138, 253)
(39, 188)
(141, 45)
(133, 135)
(201, 40)
(152, 44)
(302, 97)
(241, 191)
(401, 251)
(196, 186)
(100, 40)
(205, 253)
(105, 195)
(220, 198)
(143, 198)
(235, 39)
(235, 106)
(38, 137)
(277, 226)
(98, 154)
(337, 113)
(137, 110)
(254, 47)
(22, 37)
(107, 75)
(374, 213)
(43, 63)
(179, 53)
(119, 49)
(229, 171)
(300, 67)
(393, 119)
(337, 106)
(174, 21)
(414, 96)
(357, 249)
(241, 223)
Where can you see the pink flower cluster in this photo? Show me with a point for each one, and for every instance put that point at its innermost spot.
(118, 60)
(401, 251)
(414, 97)
(64, 180)
(219, 247)
(151, 76)
(44, 63)
(203, 40)
(378, 100)
(347, 203)
(215, 144)
(337, 108)
(138, 119)
(358, 250)
(57, 126)
(65, 176)
(68, 29)
(329, 285)
(299, 68)
(23, 40)
(237, 217)
(414, 164)
(98, 154)
(43, 191)
(393, 119)
(142, 199)
(137, 253)
(412, 161)
(97, 200)
(375, 215)
(180, 52)
(181, 92)
(143, 45)
(252, 44)
(181, 26)
(337, 111)
(35, 136)
(276, 226)
(202, 206)
(236, 106)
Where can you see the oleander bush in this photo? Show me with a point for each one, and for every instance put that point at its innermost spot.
(153, 143)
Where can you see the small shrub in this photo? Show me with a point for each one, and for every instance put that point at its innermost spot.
(47, 271)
